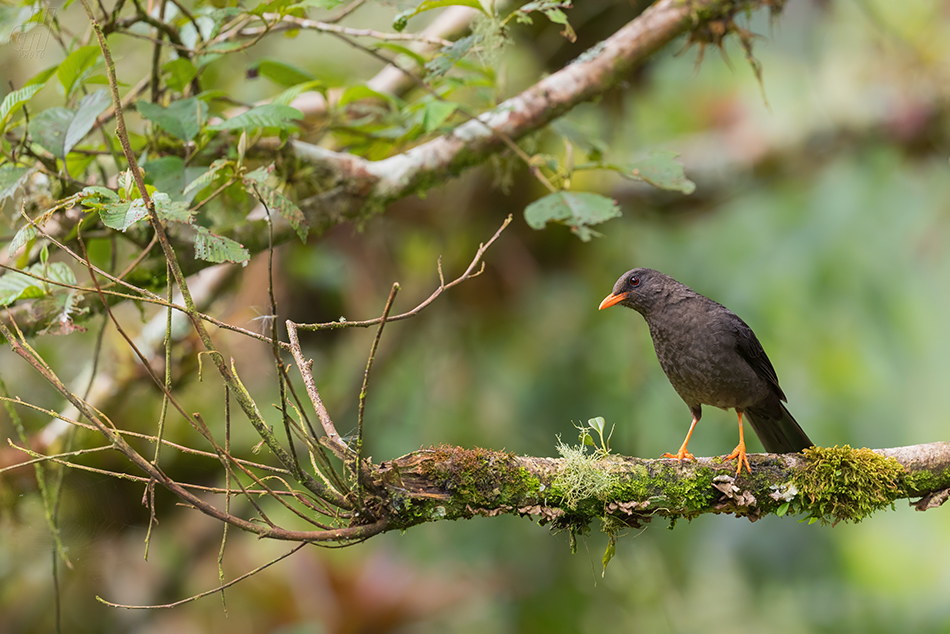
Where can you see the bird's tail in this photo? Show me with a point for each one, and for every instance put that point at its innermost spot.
(779, 434)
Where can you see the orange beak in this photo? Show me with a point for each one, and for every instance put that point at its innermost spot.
(611, 299)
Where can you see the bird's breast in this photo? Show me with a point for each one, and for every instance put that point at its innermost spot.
(698, 355)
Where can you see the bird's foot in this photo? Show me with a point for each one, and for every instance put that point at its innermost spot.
(739, 454)
(681, 455)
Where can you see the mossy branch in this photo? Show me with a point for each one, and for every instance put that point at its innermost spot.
(821, 484)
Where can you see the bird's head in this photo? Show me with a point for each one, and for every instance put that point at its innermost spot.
(639, 289)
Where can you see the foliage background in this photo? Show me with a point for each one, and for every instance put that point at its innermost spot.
(821, 218)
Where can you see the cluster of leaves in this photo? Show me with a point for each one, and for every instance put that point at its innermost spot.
(200, 178)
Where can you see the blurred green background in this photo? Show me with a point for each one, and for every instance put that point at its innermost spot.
(822, 218)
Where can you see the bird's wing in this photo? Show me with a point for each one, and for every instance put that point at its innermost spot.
(749, 348)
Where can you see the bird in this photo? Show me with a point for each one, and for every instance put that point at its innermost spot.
(711, 357)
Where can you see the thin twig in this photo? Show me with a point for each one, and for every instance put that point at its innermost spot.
(209, 592)
(468, 274)
(365, 387)
(292, 22)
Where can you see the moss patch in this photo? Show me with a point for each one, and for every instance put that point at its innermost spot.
(841, 483)
(484, 478)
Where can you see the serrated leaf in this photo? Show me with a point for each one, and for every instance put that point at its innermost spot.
(578, 210)
(214, 248)
(91, 106)
(399, 22)
(661, 170)
(11, 177)
(182, 119)
(122, 215)
(180, 73)
(266, 116)
(260, 175)
(75, 64)
(167, 209)
(99, 192)
(207, 177)
(24, 235)
(283, 73)
(450, 55)
(282, 205)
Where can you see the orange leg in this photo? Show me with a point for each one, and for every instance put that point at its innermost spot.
(684, 453)
(739, 451)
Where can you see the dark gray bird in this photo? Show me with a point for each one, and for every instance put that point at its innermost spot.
(712, 358)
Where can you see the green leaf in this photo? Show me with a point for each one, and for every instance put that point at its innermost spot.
(96, 191)
(270, 6)
(782, 510)
(450, 55)
(610, 552)
(24, 235)
(435, 113)
(214, 248)
(14, 101)
(266, 116)
(91, 106)
(597, 423)
(49, 129)
(182, 119)
(578, 210)
(260, 175)
(362, 91)
(399, 22)
(40, 78)
(181, 71)
(290, 94)
(122, 215)
(11, 177)
(101, 79)
(60, 129)
(167, 209)
(660, 170)
(75, 64)
(168, 174)
(282, 73)
(15, 285)
(319, 4)
(60, 272)
(284, 206)
(401, 50)
(208, 176)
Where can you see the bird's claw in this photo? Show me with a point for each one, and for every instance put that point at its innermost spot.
(681, 455)
(739, 454)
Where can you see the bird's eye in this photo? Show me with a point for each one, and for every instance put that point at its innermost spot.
(634, 281)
